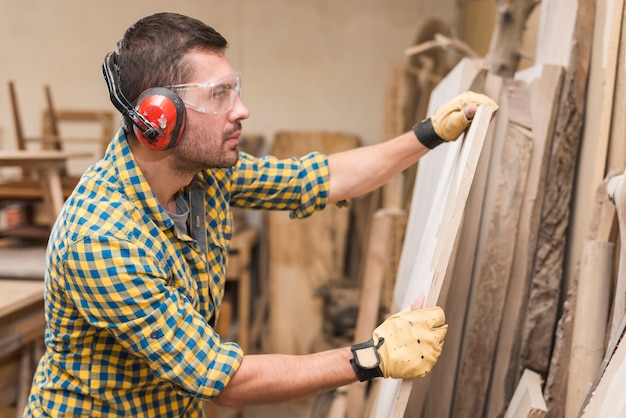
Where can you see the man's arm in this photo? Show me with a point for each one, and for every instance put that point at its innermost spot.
(272, 378)
(361, 170)
(405, 345)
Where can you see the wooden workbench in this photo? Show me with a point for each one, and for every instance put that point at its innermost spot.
(22, 325)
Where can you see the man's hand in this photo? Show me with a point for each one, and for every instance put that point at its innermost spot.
(451, 119)
(406, 345)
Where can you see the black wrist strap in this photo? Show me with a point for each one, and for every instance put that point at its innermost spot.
(366, 372)
(426, 134)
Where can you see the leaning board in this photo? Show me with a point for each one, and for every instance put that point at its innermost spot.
(431, 261)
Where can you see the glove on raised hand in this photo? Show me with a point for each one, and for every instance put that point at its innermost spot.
(449, 120)
(404, 346)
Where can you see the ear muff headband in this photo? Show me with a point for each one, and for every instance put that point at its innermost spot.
(158, 121)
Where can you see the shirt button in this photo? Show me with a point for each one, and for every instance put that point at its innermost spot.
(154, 334)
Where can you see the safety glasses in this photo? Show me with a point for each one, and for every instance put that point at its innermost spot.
(210, 96)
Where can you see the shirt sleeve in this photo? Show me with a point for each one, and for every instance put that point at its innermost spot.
(120, 286)
(300, 185)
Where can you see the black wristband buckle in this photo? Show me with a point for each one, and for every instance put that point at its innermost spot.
(425, 133)
(365, 360)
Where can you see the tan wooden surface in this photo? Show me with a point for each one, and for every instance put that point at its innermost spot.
(303, 254)
(22, 324)
(590, 321)
(527, 401)
(17, 294)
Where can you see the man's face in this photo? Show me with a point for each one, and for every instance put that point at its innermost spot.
(209, 139)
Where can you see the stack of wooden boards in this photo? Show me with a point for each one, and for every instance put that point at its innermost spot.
(514, 263)
(533, 302)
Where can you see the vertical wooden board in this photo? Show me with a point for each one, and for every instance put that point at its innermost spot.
(616, 189)
(539, 323)
(556, 28)
(445, 239)
(607, 399)
(303, 254)
(492, 276)
(451, 206)
(591, 165)
(557, 381)
(590, 321)
(527, 401)
(433, 395)
(617, 143)
(432, 178)
(543, 83)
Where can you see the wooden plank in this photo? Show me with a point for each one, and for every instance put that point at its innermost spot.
(606, 398)
(591, 164)
(527, 401)
(542, 84)
(617, 143)
(616, 190)
(303, 254)
(590, 321)
(539, 323)
(441, 161)
(602, 229)
(493, 274)
(433, 395)
(428, 200)
(459, 191)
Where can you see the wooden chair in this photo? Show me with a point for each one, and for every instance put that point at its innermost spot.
(28, 188)
(50, 140)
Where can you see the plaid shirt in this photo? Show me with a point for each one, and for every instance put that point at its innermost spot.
(130, 302)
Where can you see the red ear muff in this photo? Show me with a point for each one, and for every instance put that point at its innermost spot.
(165, 111)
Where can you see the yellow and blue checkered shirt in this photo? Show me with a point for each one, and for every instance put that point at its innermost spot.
(130, 301)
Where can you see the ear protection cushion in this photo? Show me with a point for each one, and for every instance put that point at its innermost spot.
(165, 111)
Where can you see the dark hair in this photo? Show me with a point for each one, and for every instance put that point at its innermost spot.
(152, 51)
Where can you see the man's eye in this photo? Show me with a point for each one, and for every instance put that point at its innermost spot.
(221, 92)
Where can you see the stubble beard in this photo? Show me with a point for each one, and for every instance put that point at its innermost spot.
(202, 153)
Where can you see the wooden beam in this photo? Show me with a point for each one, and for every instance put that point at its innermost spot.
(590, 321)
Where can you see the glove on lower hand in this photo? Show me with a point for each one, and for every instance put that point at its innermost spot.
(404, 346)
(449, 121)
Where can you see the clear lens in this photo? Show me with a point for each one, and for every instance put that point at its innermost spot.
(211, 96)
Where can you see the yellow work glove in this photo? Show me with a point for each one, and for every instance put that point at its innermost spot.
(449, 121)
(405, 346)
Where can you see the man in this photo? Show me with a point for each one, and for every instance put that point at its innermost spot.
(137, 258)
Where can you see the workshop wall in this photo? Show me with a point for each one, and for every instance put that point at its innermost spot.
(309, 65)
